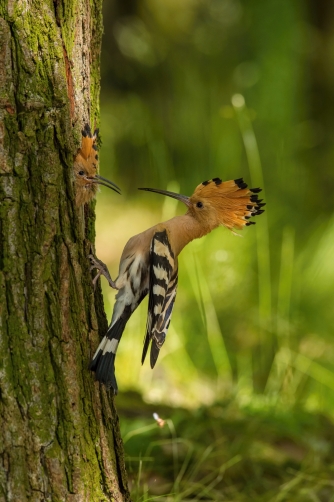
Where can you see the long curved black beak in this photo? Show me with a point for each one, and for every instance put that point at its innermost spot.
(105, 182)
(181, 198)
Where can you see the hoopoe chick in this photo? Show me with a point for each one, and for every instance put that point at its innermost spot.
(85, 168)
(149, 264)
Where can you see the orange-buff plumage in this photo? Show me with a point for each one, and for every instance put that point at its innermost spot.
(149, 264)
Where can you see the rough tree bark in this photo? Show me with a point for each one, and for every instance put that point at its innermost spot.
(59, 435)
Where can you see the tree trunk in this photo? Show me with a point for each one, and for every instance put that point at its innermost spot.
(59, 434)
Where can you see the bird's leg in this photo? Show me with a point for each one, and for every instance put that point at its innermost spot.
(102, 269)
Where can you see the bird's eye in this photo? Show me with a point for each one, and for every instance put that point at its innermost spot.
(81, 173)
(199, 204)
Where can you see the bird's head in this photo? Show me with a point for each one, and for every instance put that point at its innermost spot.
(214, 203)
(85, 169)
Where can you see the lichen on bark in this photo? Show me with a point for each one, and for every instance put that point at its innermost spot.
(59, 436)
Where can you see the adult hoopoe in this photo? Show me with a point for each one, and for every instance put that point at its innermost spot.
(149, 264)
(85, 168)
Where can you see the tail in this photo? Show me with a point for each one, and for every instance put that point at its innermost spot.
(103, 362)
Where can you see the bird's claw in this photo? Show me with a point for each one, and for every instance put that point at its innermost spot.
(102, 269)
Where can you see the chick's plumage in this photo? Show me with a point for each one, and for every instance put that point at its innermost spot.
(85, 166)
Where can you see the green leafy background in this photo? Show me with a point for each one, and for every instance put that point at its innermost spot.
(192, 90)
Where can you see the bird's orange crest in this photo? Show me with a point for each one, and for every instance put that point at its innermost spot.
(231, 203)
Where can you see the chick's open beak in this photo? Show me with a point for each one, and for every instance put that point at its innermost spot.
(105, 182)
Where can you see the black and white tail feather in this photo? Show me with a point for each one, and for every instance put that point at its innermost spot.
(162, 293)
(128, 298)
(103, 362)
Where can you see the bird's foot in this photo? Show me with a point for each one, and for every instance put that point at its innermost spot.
(102, 269)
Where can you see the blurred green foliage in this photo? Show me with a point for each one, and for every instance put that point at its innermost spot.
(195, 89)
(227, 452)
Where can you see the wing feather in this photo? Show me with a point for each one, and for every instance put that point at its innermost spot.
(162, 293)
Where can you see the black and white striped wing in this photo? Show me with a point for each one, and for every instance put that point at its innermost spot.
(162, 293)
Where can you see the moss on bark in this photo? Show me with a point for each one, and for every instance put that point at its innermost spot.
(59, 436)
